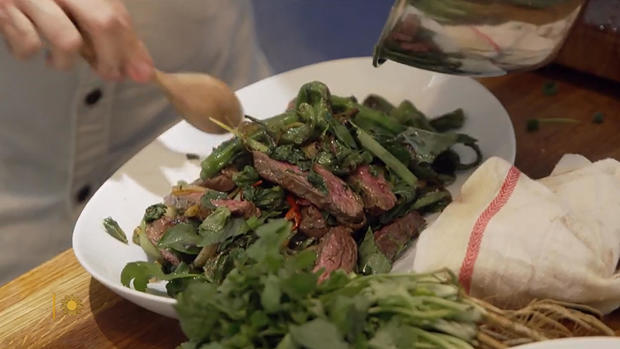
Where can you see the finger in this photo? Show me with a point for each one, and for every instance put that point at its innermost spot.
(55, 26)
(106, 27)
(139, 65)
(20, 33)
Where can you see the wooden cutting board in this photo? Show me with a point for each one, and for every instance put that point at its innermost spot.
(59, 305)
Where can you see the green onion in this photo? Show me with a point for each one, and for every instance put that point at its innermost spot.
(390, 160)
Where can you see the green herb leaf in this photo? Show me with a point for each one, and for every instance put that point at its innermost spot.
(299, 285)
(349, 314)
(303, 260)
(550, 88)
(392, 335)
(181, 237)
(269, 199)
(342, 133)
(196, 310)
(532, 125)
(154, 212)
(212, 228)
(449, 121)
(378, 103)
(112, 228)
(317, 181)
(291, 154)
(287, 343)
(428, 145)
(598, 118)
(271, 237)
(407, 114)
(205, 200)
(318, 334)
(371, 260)
(270, 296)
(142, 272)
(247, 177)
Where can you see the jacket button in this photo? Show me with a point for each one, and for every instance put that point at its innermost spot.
(83, 194)
(93, 97)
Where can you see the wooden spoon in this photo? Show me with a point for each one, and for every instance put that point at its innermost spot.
(198, 97)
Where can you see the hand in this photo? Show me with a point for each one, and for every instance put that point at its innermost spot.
(99, 29)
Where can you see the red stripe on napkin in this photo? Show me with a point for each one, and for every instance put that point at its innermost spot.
(477, 233)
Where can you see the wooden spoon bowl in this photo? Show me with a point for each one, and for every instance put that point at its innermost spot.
(198, 97)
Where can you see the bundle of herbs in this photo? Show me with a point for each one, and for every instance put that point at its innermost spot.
(272, 299)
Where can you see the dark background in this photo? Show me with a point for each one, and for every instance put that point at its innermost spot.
(294, 33)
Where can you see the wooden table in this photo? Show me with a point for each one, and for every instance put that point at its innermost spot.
(31, 306)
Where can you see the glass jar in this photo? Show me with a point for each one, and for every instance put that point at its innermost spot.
(476, 37)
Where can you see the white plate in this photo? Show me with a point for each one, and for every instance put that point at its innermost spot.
(576, 343)
(147, 177)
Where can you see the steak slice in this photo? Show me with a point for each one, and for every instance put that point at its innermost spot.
(339, 200)
(288, 176)
(312, 222)
(343, 202)
(375, 190)
(221, 182)
(394, 237)
(337, 250)
(156, 230)
(238, 207)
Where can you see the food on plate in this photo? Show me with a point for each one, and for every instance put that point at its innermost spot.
(345, 173)
(513, 239)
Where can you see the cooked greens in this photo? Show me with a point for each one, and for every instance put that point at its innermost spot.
(329, 164)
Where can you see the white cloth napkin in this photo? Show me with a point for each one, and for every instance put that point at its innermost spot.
(511, 239)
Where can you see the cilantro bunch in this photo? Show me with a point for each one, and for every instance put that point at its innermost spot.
(271, 300)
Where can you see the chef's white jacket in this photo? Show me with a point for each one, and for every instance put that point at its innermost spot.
(63, 133)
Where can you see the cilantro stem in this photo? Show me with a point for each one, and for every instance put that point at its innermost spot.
(558, 121)
(534, 124)
(252, 143)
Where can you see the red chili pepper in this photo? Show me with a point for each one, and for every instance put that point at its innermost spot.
(294, 213)
(257, 183)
